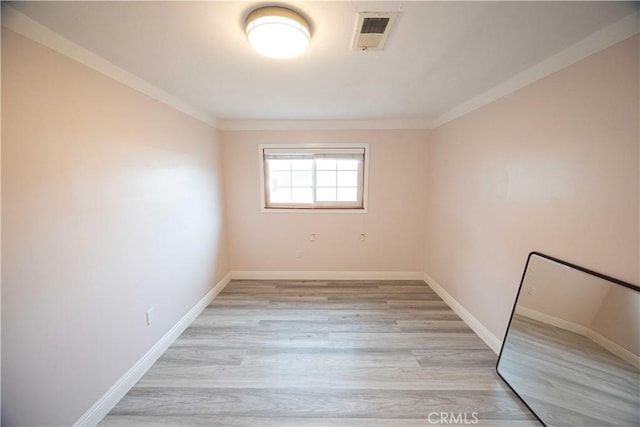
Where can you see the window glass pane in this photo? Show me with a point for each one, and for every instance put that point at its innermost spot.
(325, 179)
(325, 164)
(314, 176)
(280, 194)
(302, 195)
(348, 165)
(326, 194)
(279, 165)
(301, 179)
(349, 194)
(348, 179)
(280, 179)
(302, 164)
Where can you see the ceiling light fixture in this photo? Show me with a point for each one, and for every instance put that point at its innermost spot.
(277, 32)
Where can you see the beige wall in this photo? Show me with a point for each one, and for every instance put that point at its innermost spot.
(618, 319)
(553, 167)
(111, 206)
(588, 303)
(393, 225)
(562, 292)
(591, 303)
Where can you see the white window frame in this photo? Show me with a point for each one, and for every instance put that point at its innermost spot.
(315, 209)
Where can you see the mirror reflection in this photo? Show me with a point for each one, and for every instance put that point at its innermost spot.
(572, 349)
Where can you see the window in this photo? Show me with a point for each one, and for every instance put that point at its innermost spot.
(314, 177)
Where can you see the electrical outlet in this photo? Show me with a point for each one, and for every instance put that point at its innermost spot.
(298, 253)
(363, 237)
(532, 291)
(312, 237)
(149, 314)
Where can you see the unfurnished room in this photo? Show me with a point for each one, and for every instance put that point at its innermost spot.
(320, 213)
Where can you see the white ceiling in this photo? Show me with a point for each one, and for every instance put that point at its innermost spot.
(438, 56)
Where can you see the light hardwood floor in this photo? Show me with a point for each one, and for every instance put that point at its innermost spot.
(569, 379)
(324, 353)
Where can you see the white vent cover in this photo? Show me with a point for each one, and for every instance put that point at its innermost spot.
(372, 30)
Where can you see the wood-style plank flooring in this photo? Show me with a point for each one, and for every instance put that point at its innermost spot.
(324, 353)
(567, 379)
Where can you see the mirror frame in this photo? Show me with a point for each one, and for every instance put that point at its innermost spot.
(515, 303)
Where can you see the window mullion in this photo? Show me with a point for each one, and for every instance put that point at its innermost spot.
(313, 180)
(321, 159)
(291, 182)
(336, 201)
(360, 188)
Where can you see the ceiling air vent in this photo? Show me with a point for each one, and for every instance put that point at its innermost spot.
(372, 30)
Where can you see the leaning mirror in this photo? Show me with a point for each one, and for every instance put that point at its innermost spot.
(571, 351)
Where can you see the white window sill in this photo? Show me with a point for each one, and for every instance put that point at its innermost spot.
(313, 211)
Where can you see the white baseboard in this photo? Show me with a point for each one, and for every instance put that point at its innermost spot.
(614, 348)
(326, 275)
(101, 408)
(491, 340)
(552, 320)
(602, 341)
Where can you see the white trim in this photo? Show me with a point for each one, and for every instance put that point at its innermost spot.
(491, 340)
(600, 40)
(326, 275)
(364, 124)
(27, 27)
(319, 210)
(102, 406)
(552, 320)
(602, 341)
(606, 37)
(614, 348)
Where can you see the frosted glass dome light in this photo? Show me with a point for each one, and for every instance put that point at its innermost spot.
(277, 32)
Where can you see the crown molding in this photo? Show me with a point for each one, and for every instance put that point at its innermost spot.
(606, 37)
(27, 27)
(372, 124)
